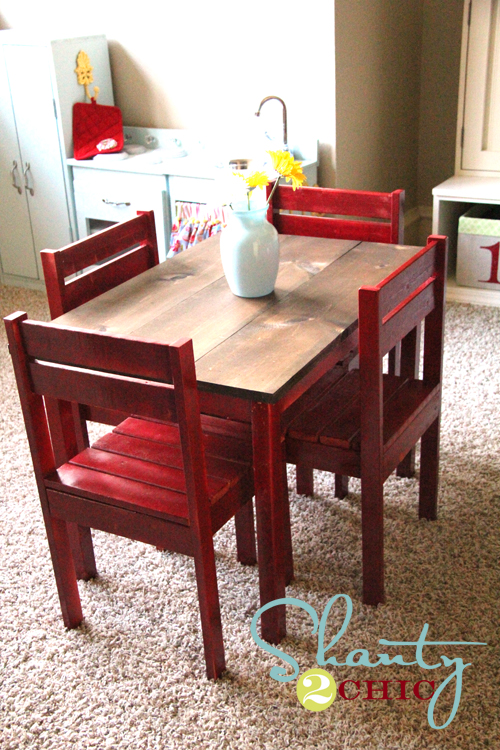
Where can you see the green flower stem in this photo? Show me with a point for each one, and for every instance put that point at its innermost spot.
(272, 191)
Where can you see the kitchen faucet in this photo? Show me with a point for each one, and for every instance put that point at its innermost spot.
(257, 114)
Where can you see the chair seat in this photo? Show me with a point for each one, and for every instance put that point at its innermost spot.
(138, 466)
(335, 418)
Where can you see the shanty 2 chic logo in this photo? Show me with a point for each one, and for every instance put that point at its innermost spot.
(317, 689)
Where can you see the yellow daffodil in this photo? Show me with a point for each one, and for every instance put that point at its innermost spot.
(286, 166)
(296, 175)
(257, 179)
(282, 161)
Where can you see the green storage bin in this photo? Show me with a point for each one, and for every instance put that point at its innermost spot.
(478, 248)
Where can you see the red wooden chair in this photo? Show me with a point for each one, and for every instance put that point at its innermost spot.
(379, 215)
(107, 258)
(163, 484)
(366, 422)
(373, 217)
(77, 273)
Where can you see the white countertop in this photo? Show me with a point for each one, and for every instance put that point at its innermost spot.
(186, 166)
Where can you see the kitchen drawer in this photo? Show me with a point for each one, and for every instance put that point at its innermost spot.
(105, 197)
(191, 189)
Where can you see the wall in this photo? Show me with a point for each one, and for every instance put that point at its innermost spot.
(378, 51)
(441, 40)
(199, 64)
(208, 65)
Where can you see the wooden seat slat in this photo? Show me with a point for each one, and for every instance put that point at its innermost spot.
(344, 429)
(149, 429)
(125, 493)
(137, 469)
(214, 443)
(336, 401)
(168, 455)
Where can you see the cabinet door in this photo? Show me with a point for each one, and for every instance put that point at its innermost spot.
(29, 71)
(481, 134)
(16, 241)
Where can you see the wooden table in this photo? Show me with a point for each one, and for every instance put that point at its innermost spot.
(254, 357)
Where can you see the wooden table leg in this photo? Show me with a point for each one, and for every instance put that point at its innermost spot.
(269, 503)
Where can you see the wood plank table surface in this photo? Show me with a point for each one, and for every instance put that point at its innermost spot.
(254, 357)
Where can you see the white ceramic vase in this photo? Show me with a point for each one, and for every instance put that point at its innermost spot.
(249, 248)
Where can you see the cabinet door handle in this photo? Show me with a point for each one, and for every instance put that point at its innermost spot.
(25, 173)
(113, 203)
(13, 176)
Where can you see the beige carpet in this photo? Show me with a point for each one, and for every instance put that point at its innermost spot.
(132, 677)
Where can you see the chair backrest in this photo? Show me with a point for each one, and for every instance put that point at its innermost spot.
(380, 215)
(391, 311)
(99, 370)
(111, 257)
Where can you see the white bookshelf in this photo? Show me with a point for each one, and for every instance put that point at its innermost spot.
(451, 199)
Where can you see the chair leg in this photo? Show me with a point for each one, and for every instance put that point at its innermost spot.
(409, 363)
(406, 468)
(341, 486)
(80, 538)
(245, 535)
(208, 597)
(305, 480)
(372, 531)
(429, 472)
(64, 572)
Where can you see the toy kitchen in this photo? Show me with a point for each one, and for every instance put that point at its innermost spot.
(50, 199)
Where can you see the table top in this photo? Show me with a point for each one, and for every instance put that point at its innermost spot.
(257, 348)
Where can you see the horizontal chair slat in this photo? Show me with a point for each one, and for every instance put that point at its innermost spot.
(320, 226)
(153, 400)
(343, 202)
(95, 351)
(395, 288)
(96, 246)
(131, 525)
(409, 315)
(81, 289)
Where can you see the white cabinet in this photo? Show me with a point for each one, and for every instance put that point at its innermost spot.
(38, 88)
(478, 133)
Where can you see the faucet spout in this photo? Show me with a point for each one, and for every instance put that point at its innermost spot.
(268, 98)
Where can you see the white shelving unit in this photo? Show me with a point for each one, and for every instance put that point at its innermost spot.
(477, 160)
(451, 199)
